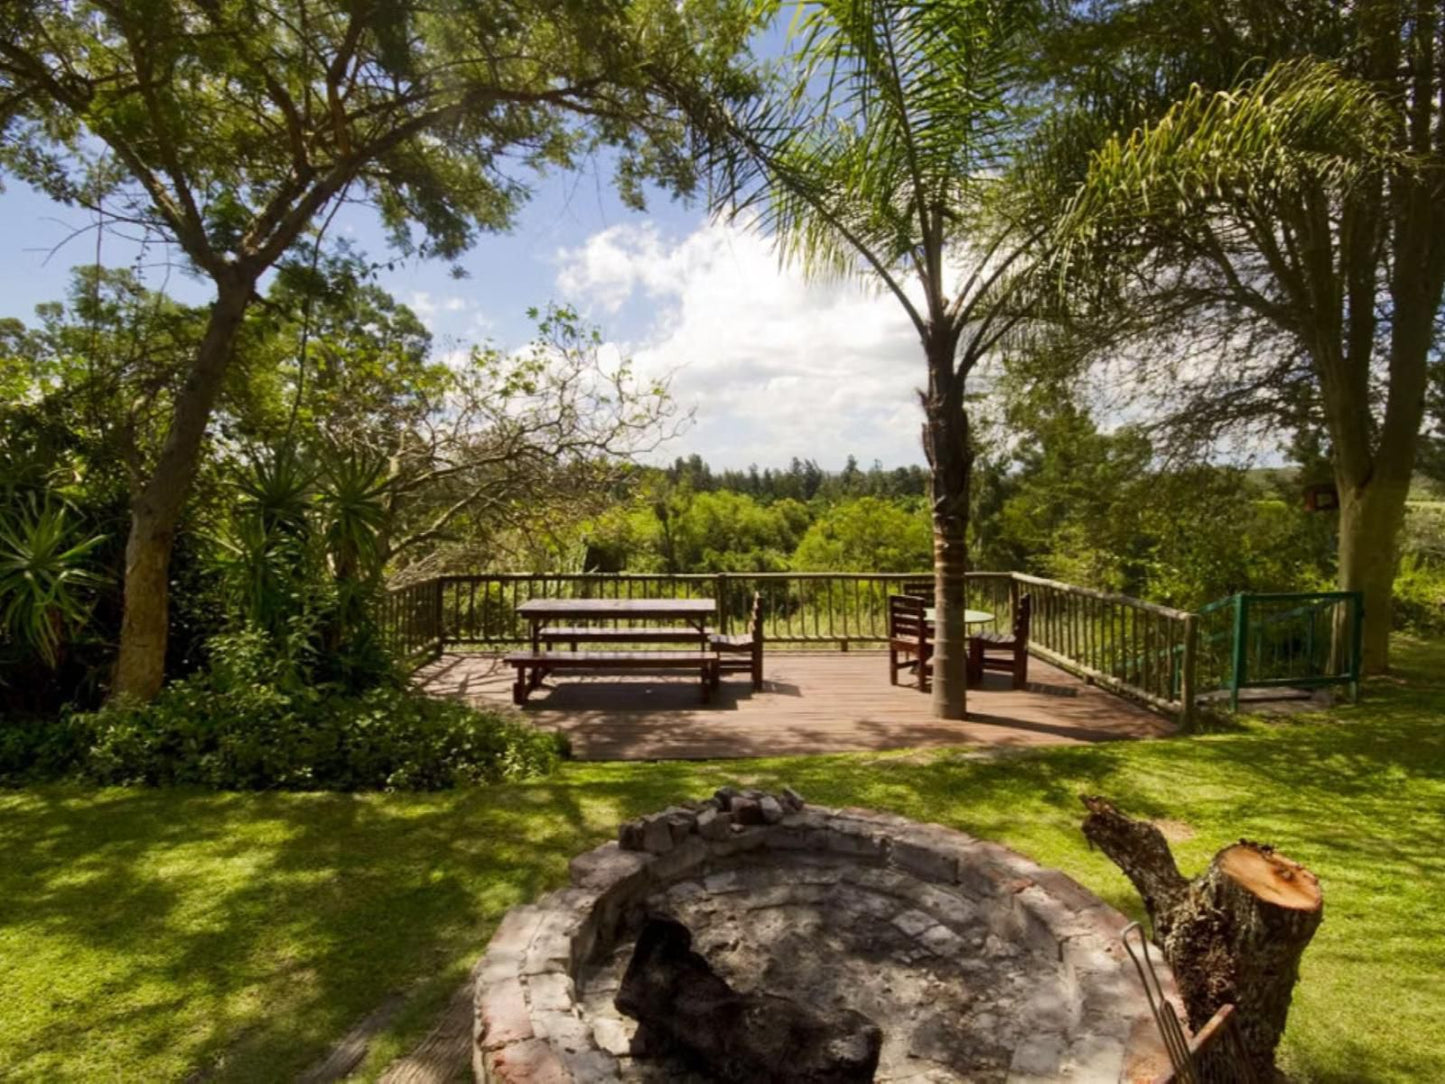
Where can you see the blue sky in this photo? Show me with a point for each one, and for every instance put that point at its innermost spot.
(771, 366)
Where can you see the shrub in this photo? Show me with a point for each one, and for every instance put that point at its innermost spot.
(1420, 596)
(35, 748)
(242, 725)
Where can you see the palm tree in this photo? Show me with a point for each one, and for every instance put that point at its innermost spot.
(1302, 204)
(875, 149)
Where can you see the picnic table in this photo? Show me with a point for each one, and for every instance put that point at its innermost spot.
(555, 621)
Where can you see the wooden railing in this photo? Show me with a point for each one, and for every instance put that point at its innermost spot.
(845, 610)
(410, 619)
(1134, 648)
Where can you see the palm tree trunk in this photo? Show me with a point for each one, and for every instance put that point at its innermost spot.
(156, 509)
(950, 454)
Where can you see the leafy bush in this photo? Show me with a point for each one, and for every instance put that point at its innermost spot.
(1420, 596)
(37, 747)
(245, 725)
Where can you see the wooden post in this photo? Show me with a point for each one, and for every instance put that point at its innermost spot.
(437, 610)
(1188, 676)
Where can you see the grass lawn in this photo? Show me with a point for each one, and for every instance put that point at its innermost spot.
(154, 935)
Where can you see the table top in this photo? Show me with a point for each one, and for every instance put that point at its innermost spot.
(618, 607)
(970, 617)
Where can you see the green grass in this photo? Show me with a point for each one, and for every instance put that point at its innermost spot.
(156, 935)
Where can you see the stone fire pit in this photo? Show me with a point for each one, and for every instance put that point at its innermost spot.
(976, 963)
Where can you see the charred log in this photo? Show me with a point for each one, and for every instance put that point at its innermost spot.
(754, 1038)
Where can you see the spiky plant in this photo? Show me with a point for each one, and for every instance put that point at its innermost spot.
(46, 582)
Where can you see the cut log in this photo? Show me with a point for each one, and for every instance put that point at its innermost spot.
(1233, 935)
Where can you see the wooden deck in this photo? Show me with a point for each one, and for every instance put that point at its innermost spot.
(812, 702)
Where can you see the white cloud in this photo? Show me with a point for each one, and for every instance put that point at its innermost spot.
(428, 308)
(775, 366)
(420, 302)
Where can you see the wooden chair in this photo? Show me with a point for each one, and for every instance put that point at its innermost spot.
(738, 654)
(919, 589)
(1010, 650)
(909, 645)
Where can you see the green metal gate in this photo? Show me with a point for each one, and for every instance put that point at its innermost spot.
(1303, 641)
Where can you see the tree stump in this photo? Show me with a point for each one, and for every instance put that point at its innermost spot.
(1233, 935)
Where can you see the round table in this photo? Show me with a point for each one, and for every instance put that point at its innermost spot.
(970, 617)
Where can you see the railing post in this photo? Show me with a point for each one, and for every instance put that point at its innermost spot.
(437, 616)
(721, 589)
(1237, 676)
(1188, 676)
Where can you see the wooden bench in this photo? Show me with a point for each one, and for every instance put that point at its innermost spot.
(1011, 649)
(657, 634)
(533, 666)
(743, 653)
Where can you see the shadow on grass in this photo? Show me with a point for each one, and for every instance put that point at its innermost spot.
(168, 934)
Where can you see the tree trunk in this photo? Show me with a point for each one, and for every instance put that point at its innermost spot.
(1233, 935)
(950, 454)
(1370, 520)
(156, 509)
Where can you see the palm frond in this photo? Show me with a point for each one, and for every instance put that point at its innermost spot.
(1302, 123)
(884, 119)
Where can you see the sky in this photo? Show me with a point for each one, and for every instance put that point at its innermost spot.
(771, 366)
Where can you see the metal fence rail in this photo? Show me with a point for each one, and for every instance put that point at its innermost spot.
(1270, 641)
(410, 619)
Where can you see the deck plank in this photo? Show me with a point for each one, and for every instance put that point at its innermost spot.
(811, 702)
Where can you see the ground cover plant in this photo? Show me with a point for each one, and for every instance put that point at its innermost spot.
(165, 934)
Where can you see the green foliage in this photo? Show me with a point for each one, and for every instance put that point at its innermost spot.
(40, 747)
(1074, 503)
(676, 530)
(301, 561)
(432, 113)
(1304, 125)
(46, 580)
(802, 480)
(1420, 595)
(245, 725)
(867, 534)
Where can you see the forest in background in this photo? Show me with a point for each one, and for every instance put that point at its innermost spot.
(347, 460)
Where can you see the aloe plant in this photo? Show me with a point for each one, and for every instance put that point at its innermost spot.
(45, 578)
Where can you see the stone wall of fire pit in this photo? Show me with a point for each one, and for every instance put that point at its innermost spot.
(977, 963)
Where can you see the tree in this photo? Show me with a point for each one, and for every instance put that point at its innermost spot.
(865, 534)
(1296, 212)
(228, 129)
(505, 440)
(874, 154)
